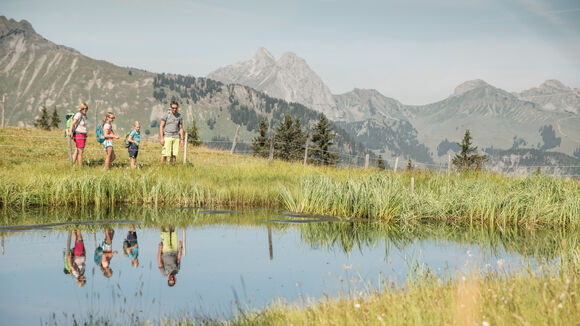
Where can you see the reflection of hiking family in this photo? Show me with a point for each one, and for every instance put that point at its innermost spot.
(171, 135)
(104, 253)
(75, 259)
(169, 254)
(131, 247)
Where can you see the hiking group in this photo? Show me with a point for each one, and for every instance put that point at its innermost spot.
(171, 135)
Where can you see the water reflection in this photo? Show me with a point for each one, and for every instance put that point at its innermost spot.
(75, 258)
(229, 268)
(104, 253)
(131, 246)
(169, 254)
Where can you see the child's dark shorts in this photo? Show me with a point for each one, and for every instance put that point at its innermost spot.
(133, 152)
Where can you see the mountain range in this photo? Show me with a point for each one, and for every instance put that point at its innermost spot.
(36, 72)
(495, 117)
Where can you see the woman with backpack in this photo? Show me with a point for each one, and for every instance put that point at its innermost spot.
(109, 136)
(78, 132)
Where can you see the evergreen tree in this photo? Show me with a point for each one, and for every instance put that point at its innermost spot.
(409, 165)
(577, 153)
(323, 137)
(380, 163)
(299, 139)
(261, 143)
(193, 134)
(55, 120)
(467, 159)
(43, 121)
(289, 139)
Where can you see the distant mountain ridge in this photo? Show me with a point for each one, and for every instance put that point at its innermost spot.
(289, 78)
(552, 95)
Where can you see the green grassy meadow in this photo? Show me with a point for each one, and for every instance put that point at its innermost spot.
(36, 172)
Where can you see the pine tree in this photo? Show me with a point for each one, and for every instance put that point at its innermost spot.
(42, 122)
(380, 163)
(299, 139)
(287, 139)
(261, 143)
(193, 134)
(323, 137)
(55, 120)
(467, 159)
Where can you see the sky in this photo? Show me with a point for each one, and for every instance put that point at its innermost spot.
(416, 51)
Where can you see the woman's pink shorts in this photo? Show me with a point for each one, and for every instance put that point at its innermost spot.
(79, 249)
(80, 140)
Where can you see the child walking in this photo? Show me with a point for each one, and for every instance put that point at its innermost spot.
(134, 140)
(109, 136)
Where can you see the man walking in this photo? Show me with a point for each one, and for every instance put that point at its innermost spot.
(171, 133)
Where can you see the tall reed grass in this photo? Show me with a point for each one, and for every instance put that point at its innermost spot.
(466, 198)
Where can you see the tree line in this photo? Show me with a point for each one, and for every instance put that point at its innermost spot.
(290, 141)
(45, 121)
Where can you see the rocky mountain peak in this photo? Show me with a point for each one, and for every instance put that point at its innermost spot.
(290, 59)
(262, 55)
(468, 86)
(289, 78)
(553, 85)
(11, 25)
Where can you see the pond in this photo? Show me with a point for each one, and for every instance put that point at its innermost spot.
(230, 260)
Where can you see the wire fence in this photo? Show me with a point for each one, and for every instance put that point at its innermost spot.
(346, 159)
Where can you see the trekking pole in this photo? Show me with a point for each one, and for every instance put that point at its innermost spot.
(184, 242)
(68, 242)
(69, 148)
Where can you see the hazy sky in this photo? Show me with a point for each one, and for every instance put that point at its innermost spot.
(416, 51)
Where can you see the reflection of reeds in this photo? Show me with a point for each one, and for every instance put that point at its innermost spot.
(88, 219)
(468, 198)
(347, 236)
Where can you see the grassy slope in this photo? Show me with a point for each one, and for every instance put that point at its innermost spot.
(35, 172)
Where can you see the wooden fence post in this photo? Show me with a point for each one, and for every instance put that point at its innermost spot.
(270, 247)
(271, 156)
(235, 140)
(3, 109)
(412, 184)
(306, 153)
(366, 161)
(396, 163)
(448, 163)
(185, 149)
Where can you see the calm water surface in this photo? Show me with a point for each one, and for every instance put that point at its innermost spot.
(229, 261)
